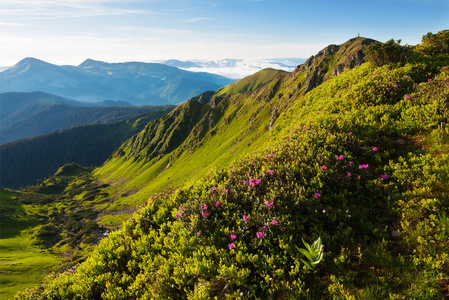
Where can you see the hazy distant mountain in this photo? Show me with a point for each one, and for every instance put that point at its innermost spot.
(135, 82)
(236, 68)
(34, 113)
(26, 160)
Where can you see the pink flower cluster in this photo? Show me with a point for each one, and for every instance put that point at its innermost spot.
(253, 181)
(217, 189)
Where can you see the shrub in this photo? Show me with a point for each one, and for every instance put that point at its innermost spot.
(380, 54)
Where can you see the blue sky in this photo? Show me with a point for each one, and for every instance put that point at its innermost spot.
(69, 31)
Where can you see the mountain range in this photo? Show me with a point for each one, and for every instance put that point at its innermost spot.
(26, 114)
(93, 81)
(327, 182)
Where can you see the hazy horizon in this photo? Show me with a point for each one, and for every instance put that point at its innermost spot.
(69, 31)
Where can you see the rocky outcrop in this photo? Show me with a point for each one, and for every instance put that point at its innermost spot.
(332, 61)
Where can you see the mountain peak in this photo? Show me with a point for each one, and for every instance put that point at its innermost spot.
(28, 64)
(28, 61)
(333, 60)
(91, 63)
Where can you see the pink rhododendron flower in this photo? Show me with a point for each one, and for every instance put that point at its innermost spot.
(259, 234)
(317, 195)
(323, 167)
(375, 149)
(231, 246)
(274, 222)
(263, 174)
(341, 157)
(407, 97)
(363, 166)
(245, 218)
(178, 215)
(204, 207)
(384, 176)
(217, 204)
(269, 203)
(270, 172)
(205, 214)
(233, 236)
(348, 174)
(351, 162)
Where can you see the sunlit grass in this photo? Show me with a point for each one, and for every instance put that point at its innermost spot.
(23, 264)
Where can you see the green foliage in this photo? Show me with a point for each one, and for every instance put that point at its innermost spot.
(434, 44)
(360, 162)
(390, 52)
(314, 253)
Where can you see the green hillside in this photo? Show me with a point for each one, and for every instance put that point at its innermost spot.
(235, 192)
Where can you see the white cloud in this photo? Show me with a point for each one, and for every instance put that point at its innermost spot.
(54, 9)
(16, 24)
(198, 20)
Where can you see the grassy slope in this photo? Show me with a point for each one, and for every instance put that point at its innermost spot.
(23, 263)
(380, 205)
(232, 125)
(48, 227)
(235, 126)
(239, 122)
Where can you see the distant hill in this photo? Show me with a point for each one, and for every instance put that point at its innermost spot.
(26, 160)
(35, 113)
(135, 82)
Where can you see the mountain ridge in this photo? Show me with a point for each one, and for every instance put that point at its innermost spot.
(135, 82)
(35, 113)
(244, 111)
